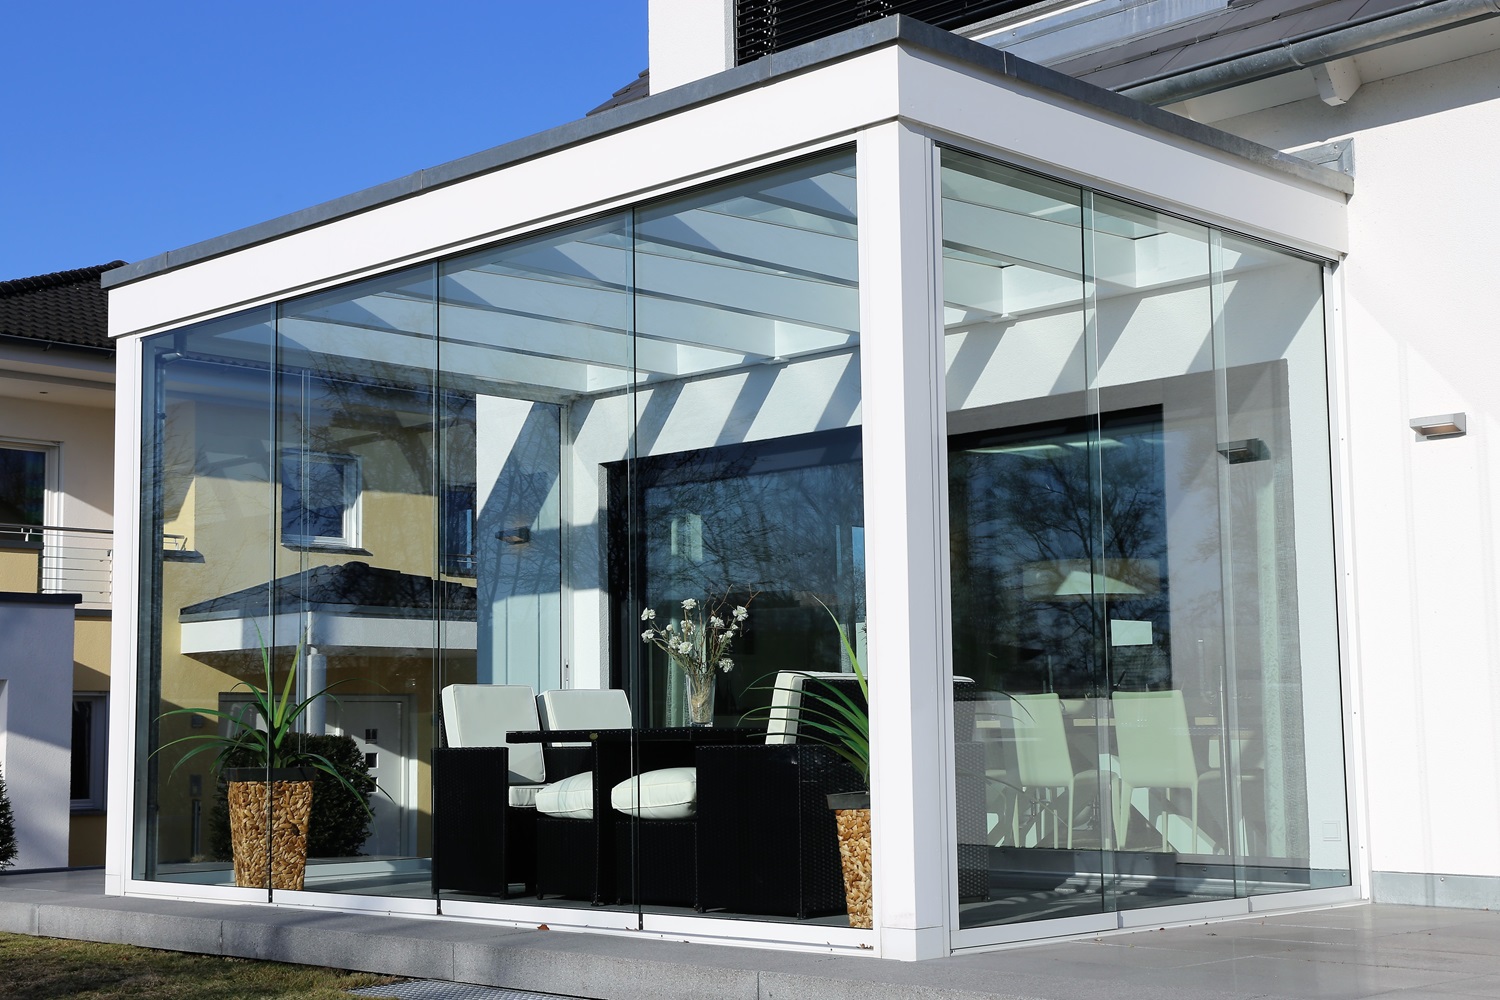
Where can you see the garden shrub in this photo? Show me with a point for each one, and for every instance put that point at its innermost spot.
(339, 825)
(8, 848)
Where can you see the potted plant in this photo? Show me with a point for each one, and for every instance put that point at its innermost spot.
(834, 717)
(843, 724)
(270, 801)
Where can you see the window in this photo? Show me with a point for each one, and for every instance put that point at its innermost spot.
(320, 500)
(780, 522)
(458, 529)
(23, 484)
(90, 738)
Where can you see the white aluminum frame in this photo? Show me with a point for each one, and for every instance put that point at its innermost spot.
(892, 101)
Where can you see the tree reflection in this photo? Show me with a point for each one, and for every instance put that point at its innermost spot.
(1056, 532)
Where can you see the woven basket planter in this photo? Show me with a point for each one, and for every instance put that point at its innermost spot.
(851, 812)
(268, 820)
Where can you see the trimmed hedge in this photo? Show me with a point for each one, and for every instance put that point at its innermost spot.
(339, 827)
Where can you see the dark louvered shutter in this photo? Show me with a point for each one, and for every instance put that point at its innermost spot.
(766, 26)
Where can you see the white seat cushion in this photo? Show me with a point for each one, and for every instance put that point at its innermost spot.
(570, 798)
(523, 796)
(668, 793)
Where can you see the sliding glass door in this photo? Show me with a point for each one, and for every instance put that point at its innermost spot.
(1141, 559)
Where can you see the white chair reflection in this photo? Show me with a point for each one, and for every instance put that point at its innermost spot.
(1044, 767)
(1155, 751)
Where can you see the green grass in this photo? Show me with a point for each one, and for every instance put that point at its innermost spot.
(34, 968)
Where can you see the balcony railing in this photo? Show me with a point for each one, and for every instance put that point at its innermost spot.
(67, 560)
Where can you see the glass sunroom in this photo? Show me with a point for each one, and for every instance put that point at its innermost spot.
(896, 360)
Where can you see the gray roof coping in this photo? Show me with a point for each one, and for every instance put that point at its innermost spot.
(14, 597)
(895, 30)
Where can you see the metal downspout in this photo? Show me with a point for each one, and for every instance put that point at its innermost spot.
(1313, 50)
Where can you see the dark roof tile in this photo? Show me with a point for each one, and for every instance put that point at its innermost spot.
(65, 307)
(353, 588)
(633, 91)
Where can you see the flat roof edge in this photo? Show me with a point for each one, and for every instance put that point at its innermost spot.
(897, 29)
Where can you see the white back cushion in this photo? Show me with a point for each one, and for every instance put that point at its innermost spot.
(786, 703)
(479, 715)
(585, 708)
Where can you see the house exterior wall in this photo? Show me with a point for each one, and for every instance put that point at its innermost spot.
(1423, 547)
(85, 436)
(36, 648)
(86, 834)
(689, 40)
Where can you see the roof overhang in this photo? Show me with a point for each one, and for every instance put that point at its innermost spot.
(326, 632)
(818, 96)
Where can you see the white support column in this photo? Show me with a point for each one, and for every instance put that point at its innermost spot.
(904, 461)
(124, 627)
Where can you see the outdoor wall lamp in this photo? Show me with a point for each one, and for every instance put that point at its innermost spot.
(1247, 450)
(1441, 426)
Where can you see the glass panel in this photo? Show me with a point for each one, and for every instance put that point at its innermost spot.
(1024, 503)
(535, 402)
(639, 412)
(746, 508)
(80, 772)
(449, 502)
(23, 486)
(207, 530)
(355, 606)
(1142, 565)
(1162, 604)
(1286, 740)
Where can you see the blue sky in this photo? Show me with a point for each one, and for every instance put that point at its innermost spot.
(135, 128)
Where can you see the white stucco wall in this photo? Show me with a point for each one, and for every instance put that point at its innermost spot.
(85, 436)
(1419, 337)
(36, 733)
(689, 40)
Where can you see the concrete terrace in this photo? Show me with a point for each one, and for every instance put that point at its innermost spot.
(1401, 952)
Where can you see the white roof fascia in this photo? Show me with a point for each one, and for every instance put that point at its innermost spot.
(898, 69)
(1116, 155)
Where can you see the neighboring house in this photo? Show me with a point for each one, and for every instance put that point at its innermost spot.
(1147, 460)
(57, 367)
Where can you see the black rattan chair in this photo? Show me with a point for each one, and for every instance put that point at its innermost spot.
(767, 842)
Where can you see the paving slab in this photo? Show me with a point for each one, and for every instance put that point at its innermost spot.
(1347, 953)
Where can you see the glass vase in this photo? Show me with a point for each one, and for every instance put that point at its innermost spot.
(700, 697)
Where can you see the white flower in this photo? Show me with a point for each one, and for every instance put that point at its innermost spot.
(684, 647)
(689, 604)
(729, 635)
(740, 613)
(716, 621)
(671, 627)
(648, 635)
(726, 664)
(648, 615)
